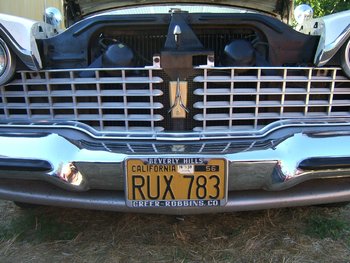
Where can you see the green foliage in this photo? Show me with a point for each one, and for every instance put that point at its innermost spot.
(325, 7)
(36, 226)
(322, 227)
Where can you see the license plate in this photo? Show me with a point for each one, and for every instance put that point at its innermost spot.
(175, 182)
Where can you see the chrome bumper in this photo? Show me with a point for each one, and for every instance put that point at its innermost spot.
(57, 168)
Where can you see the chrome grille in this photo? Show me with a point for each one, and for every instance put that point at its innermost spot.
(223, 100)
(106, 100)
(248, 99)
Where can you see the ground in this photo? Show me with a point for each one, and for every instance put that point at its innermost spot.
(47, 234)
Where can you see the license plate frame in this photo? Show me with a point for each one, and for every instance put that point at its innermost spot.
(208, 174)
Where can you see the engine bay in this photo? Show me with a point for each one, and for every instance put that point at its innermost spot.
(178, 42)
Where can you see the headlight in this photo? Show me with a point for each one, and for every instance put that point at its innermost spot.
(303, 13)
(7, 63)
(53, 16)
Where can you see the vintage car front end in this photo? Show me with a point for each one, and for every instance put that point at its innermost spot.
(200, 109)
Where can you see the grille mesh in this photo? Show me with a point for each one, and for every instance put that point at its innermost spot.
(250, 98)
(109, 100)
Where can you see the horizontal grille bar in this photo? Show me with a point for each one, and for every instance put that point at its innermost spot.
(269, 91)
(87, 106)
(249, 104)
(84, 93)
(74, 80)
(223, 79)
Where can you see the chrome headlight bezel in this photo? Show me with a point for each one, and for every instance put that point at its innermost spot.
(345, 58)
(3, 59)
(7, 63)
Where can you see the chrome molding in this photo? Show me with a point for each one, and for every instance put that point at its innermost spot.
(52, 127)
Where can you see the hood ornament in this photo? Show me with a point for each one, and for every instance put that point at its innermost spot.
(177, 32)
(178, 99)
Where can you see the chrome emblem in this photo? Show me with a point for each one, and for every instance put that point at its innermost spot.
(178, 98)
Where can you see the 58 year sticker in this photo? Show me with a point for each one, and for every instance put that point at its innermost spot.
(185, 168)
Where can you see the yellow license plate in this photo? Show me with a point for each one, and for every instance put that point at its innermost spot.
(175, 182)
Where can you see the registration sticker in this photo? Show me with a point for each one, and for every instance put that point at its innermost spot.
(185, 169)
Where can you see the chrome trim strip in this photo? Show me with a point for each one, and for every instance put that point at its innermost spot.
(176, 136)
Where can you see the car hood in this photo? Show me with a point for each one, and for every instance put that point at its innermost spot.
(78, 9)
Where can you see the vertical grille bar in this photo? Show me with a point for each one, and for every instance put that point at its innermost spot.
(257, 99)
(308, 92)
(151, 98)
(27, 101)
(125, 101)
(334, 75)
(232, 85)
(284, 83)
(71, 75)
(205, 99)
(99, 100)
(48, 86)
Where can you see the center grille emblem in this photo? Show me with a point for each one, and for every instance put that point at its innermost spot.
(178, 98)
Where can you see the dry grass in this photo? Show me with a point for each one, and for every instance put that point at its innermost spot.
(285, 235)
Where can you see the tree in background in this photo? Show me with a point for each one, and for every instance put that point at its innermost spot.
(325, 7)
